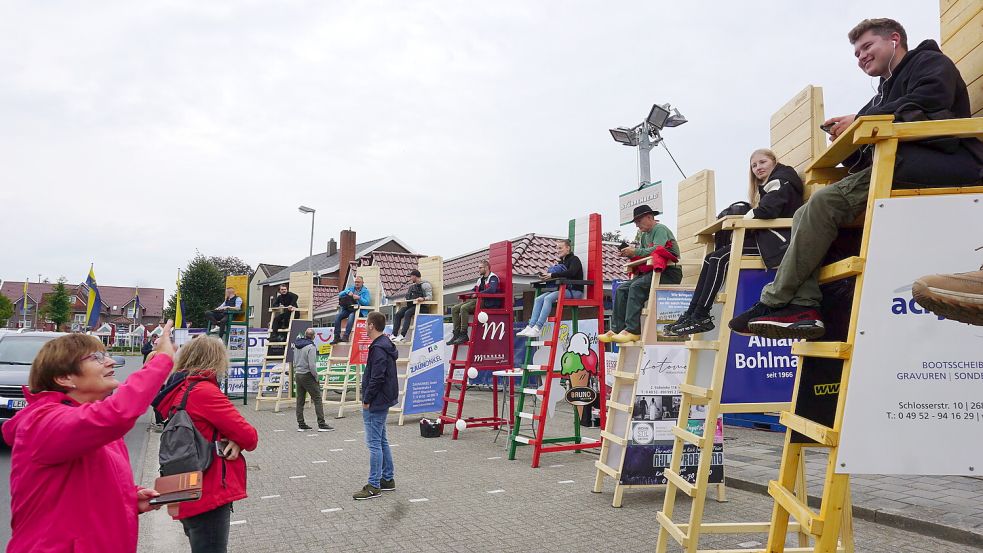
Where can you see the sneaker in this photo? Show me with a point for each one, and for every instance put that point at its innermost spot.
(216, 330)
(957, 296)
(791, 321)
(335, 341)
(324, 427)
(535, 332)
(302, 427)
(670, 329)
(387, 485)
(400, 339)
(693, 325)
(739, 323)
(453, 338)
(368, 491)
(462, 338)
(524, 332)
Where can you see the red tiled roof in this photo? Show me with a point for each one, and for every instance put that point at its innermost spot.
(36, 290)
(323, 292)
(151, 299)
(531, 254)
(393, 267)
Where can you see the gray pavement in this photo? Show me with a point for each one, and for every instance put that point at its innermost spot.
(465, 496)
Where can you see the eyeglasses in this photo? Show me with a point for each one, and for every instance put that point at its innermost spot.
(98, 357)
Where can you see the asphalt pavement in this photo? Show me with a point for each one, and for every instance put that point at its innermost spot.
(136, 442)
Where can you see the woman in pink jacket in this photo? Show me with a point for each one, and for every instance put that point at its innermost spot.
(71, 486)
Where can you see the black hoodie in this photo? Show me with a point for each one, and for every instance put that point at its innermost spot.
(925, 86)
(780, 196)
(380, 387)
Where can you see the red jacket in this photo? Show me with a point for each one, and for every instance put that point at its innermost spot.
(210, 410)
(71, 487)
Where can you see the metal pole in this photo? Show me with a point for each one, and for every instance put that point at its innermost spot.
(310, 257)
(644, 147)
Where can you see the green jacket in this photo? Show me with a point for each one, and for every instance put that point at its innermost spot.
(658, 236)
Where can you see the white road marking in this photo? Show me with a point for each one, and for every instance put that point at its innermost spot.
(234, 522)
(279, 430)
(331, 510)
(309, 435)
(419, 500)
(300, 476)
(269, 496)
(440, 451)
(496, 491)
(351, 440)
(493, 458)
(565, 482)
(555, 466)
(393, 445)
(319, 461)
(339, 449)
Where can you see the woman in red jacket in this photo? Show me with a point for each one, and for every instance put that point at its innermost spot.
(201, 363)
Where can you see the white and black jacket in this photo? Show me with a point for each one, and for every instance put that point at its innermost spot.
(781, 195)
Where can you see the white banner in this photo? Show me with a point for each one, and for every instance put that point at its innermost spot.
(651, 196)
(915, 396)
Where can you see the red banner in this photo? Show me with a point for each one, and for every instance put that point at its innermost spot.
(492, 341)
(359, 353)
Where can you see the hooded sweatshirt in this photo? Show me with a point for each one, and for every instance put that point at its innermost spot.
(71, 487)
(380, 387)
(305, 358)
(925, 86)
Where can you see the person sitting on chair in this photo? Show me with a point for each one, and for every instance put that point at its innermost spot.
(288, 301)
(418, 292)
(219, 314)
(652, 238)
(917, 85)
(348, 302)
(487, 283)
(775, 191)
(568, 267)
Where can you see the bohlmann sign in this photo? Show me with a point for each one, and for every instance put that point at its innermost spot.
(650, 195)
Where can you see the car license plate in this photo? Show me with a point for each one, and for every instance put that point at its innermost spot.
(16, 403)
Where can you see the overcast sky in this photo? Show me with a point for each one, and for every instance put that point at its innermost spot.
(134, 133)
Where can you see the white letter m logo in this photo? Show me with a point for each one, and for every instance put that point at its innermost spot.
(488, 330)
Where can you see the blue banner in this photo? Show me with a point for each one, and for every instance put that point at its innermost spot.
(425, 372)
(759, 370)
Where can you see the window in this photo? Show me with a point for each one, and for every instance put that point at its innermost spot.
(131, 312)
(79, 318)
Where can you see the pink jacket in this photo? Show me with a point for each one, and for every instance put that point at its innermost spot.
(71, 486)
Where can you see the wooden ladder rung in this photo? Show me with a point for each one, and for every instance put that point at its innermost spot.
(752, 263)
(721, 298)
(607, 470)
(687, 436)
(623, 374)
(827, 350)
(674, 530)
(702, 344)
(616, 439)
(808, 520)
(844, 268)
(696, 391)
(618, 406)
(822, 434)
(679, 482)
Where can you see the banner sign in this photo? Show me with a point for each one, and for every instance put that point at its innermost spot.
(425, 372)
(491, 341)
(579, 351)
(655, 412)
(759, 370)
(650, 195)
(669, 306)
(359, 351)
(914, 404)
(257, 350)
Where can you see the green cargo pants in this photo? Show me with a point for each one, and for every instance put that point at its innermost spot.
(632, 295)
(461, 315)
(814, 227)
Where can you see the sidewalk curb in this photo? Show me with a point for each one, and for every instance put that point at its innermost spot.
(894, 520)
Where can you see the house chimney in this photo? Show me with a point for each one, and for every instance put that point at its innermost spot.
(332, 247)
(345, 256)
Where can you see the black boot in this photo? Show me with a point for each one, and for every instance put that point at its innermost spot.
(464, 338)
(453, 339)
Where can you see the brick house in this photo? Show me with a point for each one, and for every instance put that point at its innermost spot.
(118, 305)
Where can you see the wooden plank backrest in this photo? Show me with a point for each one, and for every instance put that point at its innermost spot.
(697, 208)
(961, 23)
(302, 284)
(372, 280)
(585, 235)
(432, 270)
(500, 260)
(796, 137)
(240, 283)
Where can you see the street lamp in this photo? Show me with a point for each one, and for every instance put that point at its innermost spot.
(646, 136)
(310, 256)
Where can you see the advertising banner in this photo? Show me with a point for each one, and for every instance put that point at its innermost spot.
(491, 341)
(359, 351)
(425, 372)
(759, 370)
(576, 358)
(257, 350)
(651, 196)
(914, 405)
(655, 412)
(669, 306)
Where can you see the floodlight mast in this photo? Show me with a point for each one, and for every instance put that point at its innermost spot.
(646, 136)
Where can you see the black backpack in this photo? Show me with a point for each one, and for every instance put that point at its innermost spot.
(182, 447)
(723, 238)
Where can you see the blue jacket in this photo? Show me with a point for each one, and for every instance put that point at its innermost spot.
(491, 287)
(363, 295)
(380, 386)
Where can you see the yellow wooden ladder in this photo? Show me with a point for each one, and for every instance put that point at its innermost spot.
(274, 373)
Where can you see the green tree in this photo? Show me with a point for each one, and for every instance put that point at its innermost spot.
(6, 310)
(202, 288)
(57, 305)
(612, 236)
(230, 265)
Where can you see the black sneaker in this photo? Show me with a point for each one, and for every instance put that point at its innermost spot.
(368, 491)
(791, 321)
(453, 339)
(739, 323)
(303, 427)
(464, 339)
(387, 485)
(670, 329)
(336, 340)
(694, 325)
(324, 427)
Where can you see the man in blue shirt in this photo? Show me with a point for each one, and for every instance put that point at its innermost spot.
(348, 302)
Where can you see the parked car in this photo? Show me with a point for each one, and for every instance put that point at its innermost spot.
(17, 351)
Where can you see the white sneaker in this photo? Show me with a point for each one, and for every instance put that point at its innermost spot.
(399, 340)
(534, 332)
(394, 338)
(524, 332)
(216, 329)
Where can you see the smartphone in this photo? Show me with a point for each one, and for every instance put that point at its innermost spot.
(220, 446)
(827, 128)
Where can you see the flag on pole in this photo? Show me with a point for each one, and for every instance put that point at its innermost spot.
(23, 305)
(136, 304)
(94, 305)
(178, 315)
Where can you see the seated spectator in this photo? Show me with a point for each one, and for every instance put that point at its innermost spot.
(775, 192)
(652, 238)
(568, 267)
(348, 302)
(917, 85)
(220, 314)
(286, 300)
(487, 283)
(418, 292)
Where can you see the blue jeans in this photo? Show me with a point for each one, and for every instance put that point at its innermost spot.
(544, 304)
(342, 315)
(380, 458)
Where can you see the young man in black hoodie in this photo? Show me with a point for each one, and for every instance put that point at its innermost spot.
(916, 85)
(380, 391)
(286, 301)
